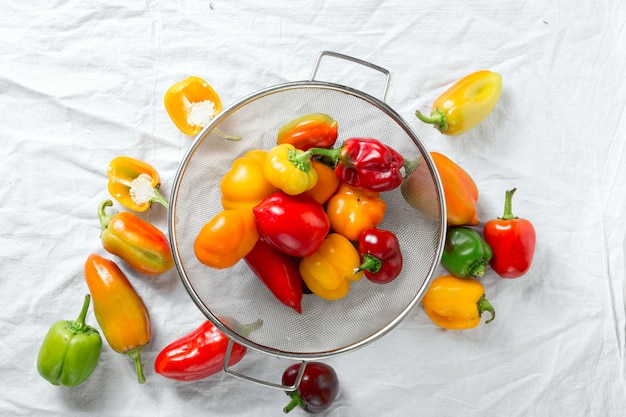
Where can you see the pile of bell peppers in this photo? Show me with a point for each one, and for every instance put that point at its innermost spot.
(505, 245)
(304, 215)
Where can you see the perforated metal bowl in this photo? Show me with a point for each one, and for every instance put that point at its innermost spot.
(325, 328)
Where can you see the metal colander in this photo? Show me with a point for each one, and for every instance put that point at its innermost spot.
(325, 328)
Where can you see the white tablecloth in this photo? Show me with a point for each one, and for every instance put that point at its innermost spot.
(83, 82)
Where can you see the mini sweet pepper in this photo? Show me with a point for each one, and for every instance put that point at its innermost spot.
(244, 185)
(70, 351)
(313, 130)
(466, 254)
(329, 271)
(134, 183)
(352, 210)
(456, 303)
(142, 245)
(466, 103)
(289, 169)
(119, 310)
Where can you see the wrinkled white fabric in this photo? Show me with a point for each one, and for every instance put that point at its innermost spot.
(83, 82)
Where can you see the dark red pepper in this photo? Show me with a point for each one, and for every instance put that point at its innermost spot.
(200, 353)
(278, 271)
(366, 163)
(295, 225)
(317, 390)
(512, 240)
(380, 254)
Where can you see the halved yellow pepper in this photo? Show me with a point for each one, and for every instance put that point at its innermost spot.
(191, 104)
(456, 303)
(245, 186)
(466, 103)
(329, 271)
(134, 183)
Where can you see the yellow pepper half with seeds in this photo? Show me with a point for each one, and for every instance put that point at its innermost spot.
(456, 303)
(466, 103)
(134, 183)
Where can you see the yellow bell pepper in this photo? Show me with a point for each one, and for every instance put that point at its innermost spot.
(191, 104)
(245, 186)
(329, 271)
(226, 238)
(134, 183)
(289, 169)
(466, 103)
(456, 303)
(352, 210)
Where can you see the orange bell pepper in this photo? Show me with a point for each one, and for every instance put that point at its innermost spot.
(327, 182)
(352, 210)
(460, 191)
(134, 183)
(226, 238)
(329, 271)
(245, 186)
(191, 104)
(119, 310)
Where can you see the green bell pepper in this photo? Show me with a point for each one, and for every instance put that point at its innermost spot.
(70, 351)
(465, 254)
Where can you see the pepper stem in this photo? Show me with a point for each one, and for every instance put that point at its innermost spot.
(332, 153)
(437, 118)
(508, 213)
(158, 198)
(296, 401)
(301, 160)
(244, 329)
(484, 305)
(136, 355)
(78, 325)
(477, 269)
(411, 165)
(370, 263)
(102, 216)
(225, 135)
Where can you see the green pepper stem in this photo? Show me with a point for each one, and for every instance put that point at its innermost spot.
(136, 355)
(484, 305)
(79, 325)
(508, 212)
(102, 216)
(477, 269)
(411, 165)
(226, 136)
(158, 198)
(437, 118)
(301, 160)
(332, 153)
(244, 329)
(296, 401)
(370, 263)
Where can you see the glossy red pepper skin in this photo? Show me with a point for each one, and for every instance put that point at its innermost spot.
(317, 390)
(278, 271)
(366, 163)
(295, 225)
(380, 254)
(512, 240)
(199, 354)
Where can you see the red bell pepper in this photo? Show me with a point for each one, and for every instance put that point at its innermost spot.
(278, 271)
(380, 254)
(317, 390)
(295, 225)
(512, 240)
(200, 353)
(366, 163)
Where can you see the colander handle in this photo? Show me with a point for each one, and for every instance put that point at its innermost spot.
(257, 381)
(356, 61)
